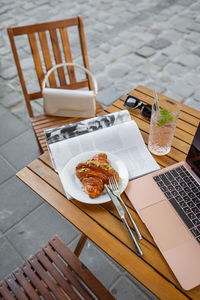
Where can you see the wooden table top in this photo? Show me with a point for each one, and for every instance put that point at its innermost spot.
(101, 223)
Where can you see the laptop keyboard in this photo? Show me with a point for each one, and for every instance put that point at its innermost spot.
(183, 192)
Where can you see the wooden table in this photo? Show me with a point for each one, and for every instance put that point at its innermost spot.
(102, 225)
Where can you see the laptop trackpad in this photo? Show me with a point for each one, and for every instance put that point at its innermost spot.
(165, 225)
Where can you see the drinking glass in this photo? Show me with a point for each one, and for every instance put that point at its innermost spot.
(162, 127)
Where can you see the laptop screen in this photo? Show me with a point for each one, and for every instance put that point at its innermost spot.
(193, 157)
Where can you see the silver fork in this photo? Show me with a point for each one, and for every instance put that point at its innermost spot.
(113, 184)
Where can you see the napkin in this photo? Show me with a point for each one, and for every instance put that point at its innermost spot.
(69, 197)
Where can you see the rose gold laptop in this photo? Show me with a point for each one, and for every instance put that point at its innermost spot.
(168, 202)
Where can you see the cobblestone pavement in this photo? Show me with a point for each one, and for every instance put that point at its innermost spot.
(149, 42)
(155, 43)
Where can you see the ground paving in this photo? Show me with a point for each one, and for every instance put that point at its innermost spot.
(150, 42)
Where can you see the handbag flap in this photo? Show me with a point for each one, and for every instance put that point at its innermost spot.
(69, 103)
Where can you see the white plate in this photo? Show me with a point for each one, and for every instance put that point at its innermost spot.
(74, 187)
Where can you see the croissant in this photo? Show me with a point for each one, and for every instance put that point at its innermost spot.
(94, 173)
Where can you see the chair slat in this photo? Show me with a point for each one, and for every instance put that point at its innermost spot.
(56, 275)
(5, 292)
(48, 119)
(26, 284)
(71, 86)
(48, 275)
(67, 53)
(47, 57)
(37, 282)
(49, 125)
(45, 26)
(84, 273)
(36, 57)
(44, 124)
(43, 117)
(76, 85)
(47, 279)
(44, 147)
(15, 288)
(84, 50)
(67, 272)
(20, 72)
(35, 96)
(57, 55)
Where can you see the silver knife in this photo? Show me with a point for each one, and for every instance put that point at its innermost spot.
(122, 216)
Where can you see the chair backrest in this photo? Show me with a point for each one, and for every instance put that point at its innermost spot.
(54, 272)
(50, 45)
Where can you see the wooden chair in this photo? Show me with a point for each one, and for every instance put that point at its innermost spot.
(54, 272)
(50, 45)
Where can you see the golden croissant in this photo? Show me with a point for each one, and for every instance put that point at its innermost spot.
(94, 174)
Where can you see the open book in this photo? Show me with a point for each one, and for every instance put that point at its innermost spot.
(115, 133)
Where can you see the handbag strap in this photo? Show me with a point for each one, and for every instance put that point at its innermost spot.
(74, 65)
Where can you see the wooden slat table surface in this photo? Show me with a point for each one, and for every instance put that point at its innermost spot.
(102, 225)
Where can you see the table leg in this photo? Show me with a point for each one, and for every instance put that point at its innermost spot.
(80, 244)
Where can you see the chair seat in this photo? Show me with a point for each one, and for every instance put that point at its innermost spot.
(44, 122)
(54, 272)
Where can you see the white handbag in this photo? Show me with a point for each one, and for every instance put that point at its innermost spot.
(67, 102)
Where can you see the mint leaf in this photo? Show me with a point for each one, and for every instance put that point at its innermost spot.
(162, 121)
(164, 112)
(166, 116)
(170, 118)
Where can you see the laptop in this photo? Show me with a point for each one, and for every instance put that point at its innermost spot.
(168, 202)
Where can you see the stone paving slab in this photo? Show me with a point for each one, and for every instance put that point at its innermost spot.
(37, 228)
(17, 201)
(7, 170)
(2, 110)
(99, 264)
(124, 288)
(8, 251)
(10, 127)
(112, 275)
(16, 154)
(106, 95)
